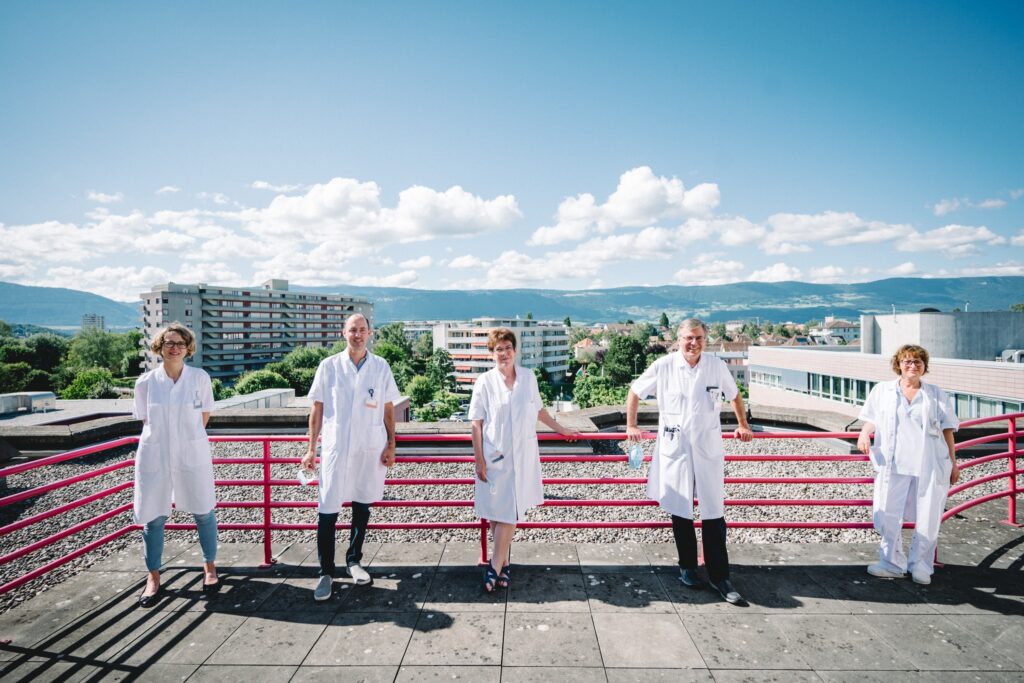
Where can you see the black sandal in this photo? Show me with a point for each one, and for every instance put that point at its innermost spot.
(503, 577)
(490, 578)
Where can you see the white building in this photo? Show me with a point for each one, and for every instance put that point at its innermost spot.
(835, 332)
(245, 328)
(92, 321)
(539, 344)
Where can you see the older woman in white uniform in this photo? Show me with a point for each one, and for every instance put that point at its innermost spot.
(915, 461)
(505, 408)
(173, 461)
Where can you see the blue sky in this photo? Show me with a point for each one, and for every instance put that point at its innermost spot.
(467, 145)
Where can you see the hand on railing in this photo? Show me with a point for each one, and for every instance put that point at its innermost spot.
(634, 433)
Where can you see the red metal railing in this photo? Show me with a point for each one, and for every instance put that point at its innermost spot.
(268, 504)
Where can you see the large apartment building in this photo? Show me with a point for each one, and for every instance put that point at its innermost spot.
(539, 344)
(972, 357)
(239, 329)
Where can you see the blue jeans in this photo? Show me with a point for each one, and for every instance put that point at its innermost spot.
(153, 539)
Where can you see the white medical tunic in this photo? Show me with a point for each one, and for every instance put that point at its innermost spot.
(173, 461)
(689, 458)
(353, 434)
(510, 445)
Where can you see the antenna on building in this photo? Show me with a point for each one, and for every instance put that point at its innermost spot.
(966, 305)
(894, 311)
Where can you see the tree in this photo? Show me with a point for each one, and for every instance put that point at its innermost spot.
(577, 335)
(625, 358)
(547, 392)
(1016, 308)
(306, 356)
(15, 351)
(95, 348)
(90, 383)
(423, 347)
(421, 391)
(744, 392)
(48, 351)
(14, 377)
(391, 352)
(567, 322)
(718, 331)
(663, 320)
(594, 390)
(221, 392)
(644, 331)
(259, 380)
(394, 333)
(441, 370)
(5, 329)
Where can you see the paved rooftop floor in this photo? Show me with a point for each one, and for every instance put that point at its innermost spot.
(574, 612)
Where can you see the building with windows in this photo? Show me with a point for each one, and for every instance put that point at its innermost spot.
(834, 331)
(971, 355)
(239, 329)
(539, 344)
(93, 321)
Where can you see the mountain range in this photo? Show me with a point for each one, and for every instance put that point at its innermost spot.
(775, 301)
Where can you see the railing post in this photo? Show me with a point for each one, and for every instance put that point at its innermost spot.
(1011, 449)
(483, 542)
(267, 549)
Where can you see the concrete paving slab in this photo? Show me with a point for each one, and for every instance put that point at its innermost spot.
(813, 554)
(468, 639)
(459, 556)
(416, 674)
(661, 555)
(688, 601)
(238, 593)
(546, 674)
(296, 594)
(297, 555)
(935, 643)
(638, 591)
(394, 591)
(283, 638)
(74, 672)
(1005, 556)
(545, 556)
(665, 642)
(463, 592)
(826, 642)
(211, 673)
(533, 639)
(85, 592)
(611, 557)
(740, 676)
(348, 674)
(865, 594)
(742, 641)
(363, 640)
(1004, 634)
(25, 627)
(970, 591)
(180, 638)
(785, 589)
(659, 675)
(543, 591)
(426, 555)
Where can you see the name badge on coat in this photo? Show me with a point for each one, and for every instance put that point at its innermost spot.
(197, 402)
(370, 401)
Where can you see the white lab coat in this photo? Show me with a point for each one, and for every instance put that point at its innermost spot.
(906, 497)
(510, 445)
(689, 458)
(173, 460)
(353, 434)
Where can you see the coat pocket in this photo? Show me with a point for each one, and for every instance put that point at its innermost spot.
(198, 455)
(670, 437)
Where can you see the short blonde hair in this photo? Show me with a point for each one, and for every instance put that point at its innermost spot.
(498, 335)
(184, 332)
(909, 351)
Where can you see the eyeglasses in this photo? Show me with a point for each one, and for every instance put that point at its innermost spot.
(174, 345)
(912, 362)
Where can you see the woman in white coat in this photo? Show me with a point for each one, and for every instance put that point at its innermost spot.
(914, 456)
(173, 461)
(505, 408)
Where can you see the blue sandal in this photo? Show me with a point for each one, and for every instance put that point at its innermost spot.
(490, 578)
(503, 577)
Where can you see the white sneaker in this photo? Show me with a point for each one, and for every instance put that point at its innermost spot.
(360, 575)
(881, 572)
(324, 588)
(921, 578)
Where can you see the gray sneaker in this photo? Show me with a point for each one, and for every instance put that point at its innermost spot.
(324, 588)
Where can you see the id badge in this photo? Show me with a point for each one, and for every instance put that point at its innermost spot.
(370, 402)
(197, 402)
(933, 428)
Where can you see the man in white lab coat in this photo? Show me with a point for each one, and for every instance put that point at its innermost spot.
(689, 459)
(353, 396)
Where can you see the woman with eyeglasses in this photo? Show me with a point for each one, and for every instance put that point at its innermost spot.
(504, 410)
(173, 461)
(915, 464)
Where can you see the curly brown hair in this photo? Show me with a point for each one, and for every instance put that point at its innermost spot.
(498, 335)
(909, 351)
(186, 336)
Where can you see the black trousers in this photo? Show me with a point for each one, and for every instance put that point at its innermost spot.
(716, 557)
(325, 533)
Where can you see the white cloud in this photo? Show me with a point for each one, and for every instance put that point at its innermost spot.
(103, 198)
(779, 272)
(217, 198)
(732, 231)
(264, 185)
(708, 269)
(789, 232)
(169, 189)
(424, 261)
(954, 240)
(640, 199)
(1017, 194)
(906, 269)
(828, 275)
(992, 203)
(163, 241)
(944, 206)
(1018, 239)
(467, 261)
(1005, 269)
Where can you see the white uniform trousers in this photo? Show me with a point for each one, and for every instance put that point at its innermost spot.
(921, 500)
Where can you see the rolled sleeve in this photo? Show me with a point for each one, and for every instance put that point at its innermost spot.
(869, 413)
(316, 389)
(535, 398)
(139, 411)
(478, 401)
(947, 414)
(726, 381)
(207, 393)
(391, 392)
(646, 384)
